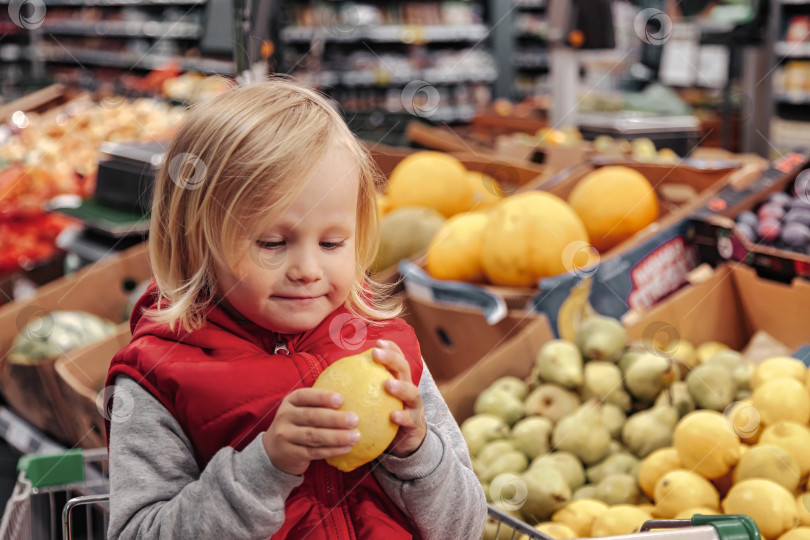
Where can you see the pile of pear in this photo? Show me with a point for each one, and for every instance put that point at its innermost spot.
(605, 435)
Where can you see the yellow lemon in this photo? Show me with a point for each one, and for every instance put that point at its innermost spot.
(579, 515)
(383, 204)
(432, 179)
(619, 519)
(702, 510)
(743, 419)
(558, 531)
(799, 533)
(647, 507)
(771, 506)
(360, 380)
(708, 349)
(776, 368)
(486, 191)
(655, 465)
(803, 509)
(455, 251)
(792, 437)
(705, 444)
(780, 399)
(680, 489)
(771, 462)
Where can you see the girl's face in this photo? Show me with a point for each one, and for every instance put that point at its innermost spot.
(303, 267)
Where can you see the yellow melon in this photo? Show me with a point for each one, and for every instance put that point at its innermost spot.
(614, 203)
(529, 237)
(405, 232)
(432, 179)
(486, 191)
(455, 252)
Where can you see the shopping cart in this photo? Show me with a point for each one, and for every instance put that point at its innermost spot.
(46, 487)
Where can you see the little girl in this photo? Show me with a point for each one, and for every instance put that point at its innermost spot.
(263, 225)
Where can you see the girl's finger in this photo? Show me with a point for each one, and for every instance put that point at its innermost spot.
(324, 438)
(313, 453)
(408, 418)
(405, 391)
(312, 397)
(319, 417)
(393, 359)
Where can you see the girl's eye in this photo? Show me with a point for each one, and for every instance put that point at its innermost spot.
(269, 244)
(332, 245)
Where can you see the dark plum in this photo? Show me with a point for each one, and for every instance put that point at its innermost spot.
(796, 234)
(800, 204)
(802, 186)
(769, 230)
(798, 215)
(770, 210)
(749, 218)
(748, 231)
(782, 199)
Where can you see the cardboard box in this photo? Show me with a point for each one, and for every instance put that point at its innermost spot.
(718, 240)
(101, 289)
(555, 158)
(731, 306)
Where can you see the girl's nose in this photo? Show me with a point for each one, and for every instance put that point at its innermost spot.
(304, 267)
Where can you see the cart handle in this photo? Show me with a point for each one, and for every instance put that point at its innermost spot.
(74, 502)
(728, 527)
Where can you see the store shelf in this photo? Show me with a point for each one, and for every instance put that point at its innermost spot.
(389, 33)
(22, 436)
(13, 52)
(385, 78)
(789, 49)
(530, 4)
(531, 60)
(169, 30)
(119, 3)
(136, 61)
(793, 98)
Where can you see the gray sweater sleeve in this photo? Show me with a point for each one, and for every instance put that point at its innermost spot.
(158, 492)
(435, 485)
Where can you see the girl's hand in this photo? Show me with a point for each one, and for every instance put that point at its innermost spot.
(411, 420)
(307, 427)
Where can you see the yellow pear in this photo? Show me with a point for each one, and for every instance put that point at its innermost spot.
(708, 349)
(744, 420)
(771, 462)
(579, 515)
(558, 531)
(780, 399)
(803, 508)
(771, 506)
(681, 489)
(792, 437)
(799, 533)
(655, 465)
(702, 510)
(619, 519)
(705, 444)
(776, 368)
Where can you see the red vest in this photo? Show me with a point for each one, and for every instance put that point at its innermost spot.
(223, 384)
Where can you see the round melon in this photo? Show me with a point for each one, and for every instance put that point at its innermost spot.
(527, 237)
(614, 203)
(455, 252)
(431, 179)
(405, 232)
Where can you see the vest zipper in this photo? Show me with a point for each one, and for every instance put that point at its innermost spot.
(281, 344)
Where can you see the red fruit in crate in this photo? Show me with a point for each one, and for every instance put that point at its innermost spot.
(769, 230)
(771, 210)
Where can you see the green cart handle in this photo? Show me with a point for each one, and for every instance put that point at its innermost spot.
(728, 527)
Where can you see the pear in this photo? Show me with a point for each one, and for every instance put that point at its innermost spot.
(512, 461)
(708, 349)
(514, 385)
(628, 359)
(551, 401)
(618, 463)
(617, 488)
(647, 375)
(649, 430)
(588, 491)
(560, 362)
(567, 463)
(583, 435)
(677, 395)
(612, 416)
(492, 450)
(727, 357)
(683, 352)
(712, 386)
(601, 338)
(495, 530)
(499, 402)
(531, 435)
(742, 375)
(616, 447)
(603, 380)
(480, 429)
(547, 492)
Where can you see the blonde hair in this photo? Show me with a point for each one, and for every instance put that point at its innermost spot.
(244, 153)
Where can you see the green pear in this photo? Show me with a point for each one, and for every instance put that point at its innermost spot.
(677, 395)
(601, 338)
(617, 489)
(513, 461)
(480, 429)
(493, 449)
(588, 491)
(742, 376)
(628, 358)
(531, 435)
(647, 375)
(649, 430)
(612, 416)
(616, 447)
(727, 357)
(567, 463)
(583, 435)
(560, 362)
(551, 401)
(712, 386)
(618, 463)
(547, 492)
(499, 402)
(514, 385)
(603, 380)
